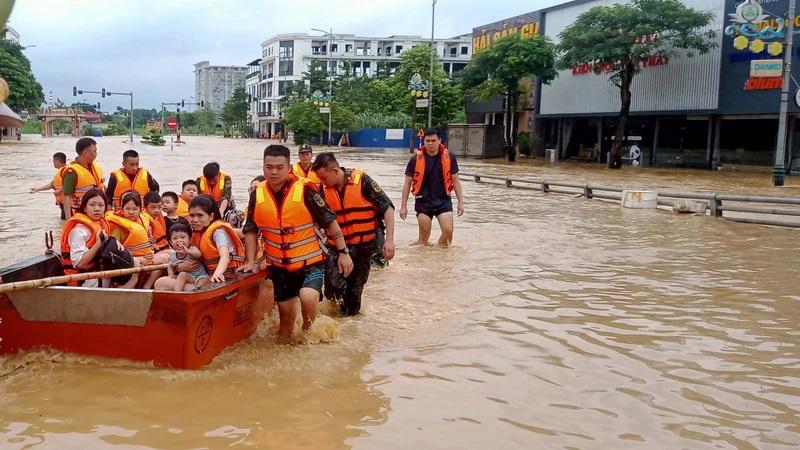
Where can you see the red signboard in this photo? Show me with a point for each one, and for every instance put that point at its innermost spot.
(172, 124)
(763, 84)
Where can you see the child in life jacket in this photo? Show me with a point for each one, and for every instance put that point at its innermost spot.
(180, 239)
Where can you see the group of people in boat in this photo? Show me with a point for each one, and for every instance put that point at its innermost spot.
(310, 223)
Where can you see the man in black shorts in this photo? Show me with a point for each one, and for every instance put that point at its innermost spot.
(287, 214)
(431, 175)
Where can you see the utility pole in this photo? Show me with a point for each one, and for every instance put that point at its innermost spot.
(779, 170)
(430, 78)
(330, 78)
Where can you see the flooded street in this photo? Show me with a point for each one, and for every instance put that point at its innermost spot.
(552, 322)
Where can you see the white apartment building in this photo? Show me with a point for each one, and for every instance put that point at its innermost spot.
(11, 35)
(214, 85)
(285, 57)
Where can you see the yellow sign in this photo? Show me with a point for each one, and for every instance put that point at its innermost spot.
(486, 39)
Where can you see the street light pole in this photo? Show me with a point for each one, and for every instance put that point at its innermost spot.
(330, 79)
(430, 79)
(779, 170)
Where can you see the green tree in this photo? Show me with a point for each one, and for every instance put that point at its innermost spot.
(304, 120)
(234, 112)
(26, 93)
(617, 39)
(206, 118)
(501, 68)
(84, 106)
(448, 97)
(342, 117)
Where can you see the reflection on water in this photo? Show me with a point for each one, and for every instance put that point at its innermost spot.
(552, 323)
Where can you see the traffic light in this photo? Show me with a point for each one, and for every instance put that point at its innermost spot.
(202, 103)
(98, 105)
(74, 91)
(103, 93)
(181, 103)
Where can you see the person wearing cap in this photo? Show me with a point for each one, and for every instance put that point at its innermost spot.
(302, 168)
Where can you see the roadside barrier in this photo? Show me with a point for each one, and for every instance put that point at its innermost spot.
(714, 205)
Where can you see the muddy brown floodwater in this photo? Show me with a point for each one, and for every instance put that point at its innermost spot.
(553, 322)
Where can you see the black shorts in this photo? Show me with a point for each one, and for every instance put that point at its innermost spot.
(288, 284)
(424, 207)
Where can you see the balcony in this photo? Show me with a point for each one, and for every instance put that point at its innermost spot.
(253, 75)
(262, 114)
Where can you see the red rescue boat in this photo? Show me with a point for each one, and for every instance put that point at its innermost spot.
(184, 330)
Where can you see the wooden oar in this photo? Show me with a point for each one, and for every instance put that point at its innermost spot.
(63, 279)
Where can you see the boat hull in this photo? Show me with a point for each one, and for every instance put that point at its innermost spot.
(171, 329)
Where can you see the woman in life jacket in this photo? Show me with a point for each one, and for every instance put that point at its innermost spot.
(132, 228)
(83, 237)
(220, 246)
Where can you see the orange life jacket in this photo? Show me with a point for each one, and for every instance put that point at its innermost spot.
(291, 238)
(58, 185)
(158, 231)
(209, 250)
(298, 171)
(214, 190)
(124, 184)
(183, 207)
(419, 171)
(138, 241)
(357, 216)
(79, 218)
(85, 180)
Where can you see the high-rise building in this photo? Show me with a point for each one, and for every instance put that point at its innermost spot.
(214, 85)
(285, 57)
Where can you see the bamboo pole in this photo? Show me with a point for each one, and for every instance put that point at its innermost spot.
(63, 279)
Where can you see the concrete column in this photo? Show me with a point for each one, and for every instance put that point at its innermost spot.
(710, 143)
(656, 130)
(715, 158)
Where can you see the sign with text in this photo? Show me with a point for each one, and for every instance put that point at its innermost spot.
(422, 103)
(394, 134)
(764, 68)
(325, 110)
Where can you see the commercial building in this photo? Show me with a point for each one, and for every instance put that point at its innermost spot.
(712, 110)
(214, 85)
(285, 57)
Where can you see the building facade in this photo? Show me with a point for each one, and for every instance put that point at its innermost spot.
(718, 109)
(11, 34)
(285, 57)
(214, 85)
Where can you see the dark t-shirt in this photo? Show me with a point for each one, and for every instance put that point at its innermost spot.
(433, 192)
(170, 222)
(322, 213)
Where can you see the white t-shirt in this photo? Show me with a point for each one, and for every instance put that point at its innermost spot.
(78, 238)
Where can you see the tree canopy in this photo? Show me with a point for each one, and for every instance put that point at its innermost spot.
(26, 92)
(502, 67)
(234, 112)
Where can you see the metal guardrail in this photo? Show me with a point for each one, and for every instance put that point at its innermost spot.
(714, 201)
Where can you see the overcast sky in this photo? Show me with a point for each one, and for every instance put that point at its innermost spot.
(150, 47)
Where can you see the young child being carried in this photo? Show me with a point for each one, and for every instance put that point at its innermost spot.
(180, 278)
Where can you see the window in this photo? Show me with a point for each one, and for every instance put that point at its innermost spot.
(281, 88)
(389, 51)
(464, 50)
(286, 68)
(334, 48)
(348, 48)
(286, 50)
(398, 48)
(269, 89)
(269, 108)
(453, 51)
